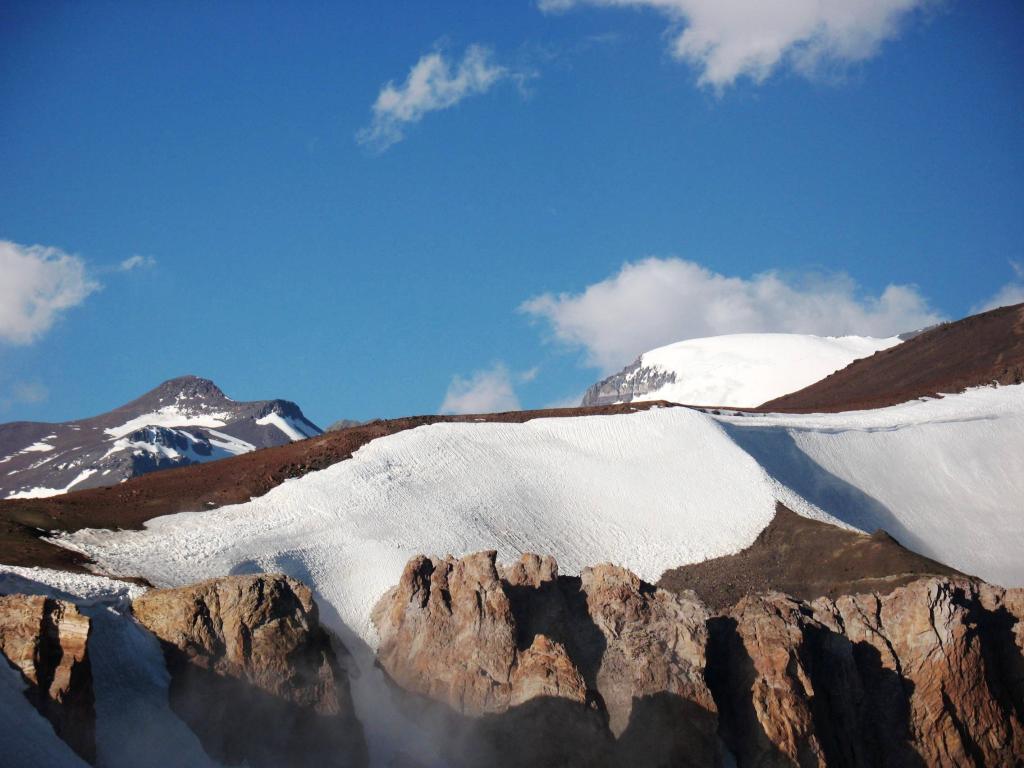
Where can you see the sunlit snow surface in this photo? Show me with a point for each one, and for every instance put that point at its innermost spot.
(42, 493)
(744, 370)
(650, 490)
(169, 416)
(293, 429)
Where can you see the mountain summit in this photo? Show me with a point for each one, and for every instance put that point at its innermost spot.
(741, 370)
(185, 420)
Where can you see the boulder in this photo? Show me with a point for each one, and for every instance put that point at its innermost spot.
(589, 671)
(253, 672)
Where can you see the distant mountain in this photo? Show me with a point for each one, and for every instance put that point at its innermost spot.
(187, 420)
(739, 370)
(343, 424)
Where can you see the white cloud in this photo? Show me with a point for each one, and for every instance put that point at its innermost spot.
(1011, 293)
(486, 391)
(38, 284)
(728, 39)
(655, 301)
(432, 85)
(136, 262)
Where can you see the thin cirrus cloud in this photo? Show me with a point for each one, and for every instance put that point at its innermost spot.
(434, 83)
(729, 39)
(136, 262)
(656, 301)
(23, 393)
(487, 391)
(40, 284)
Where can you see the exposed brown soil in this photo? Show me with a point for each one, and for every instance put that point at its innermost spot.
(807, 559)
(978, 350)
(208, 486)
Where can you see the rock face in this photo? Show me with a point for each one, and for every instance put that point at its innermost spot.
(253, 673)
(929, 674)
(47, 641)
(582, 668)
(608, 670)
(633, 381)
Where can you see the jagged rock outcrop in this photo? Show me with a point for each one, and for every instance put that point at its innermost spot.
(253, 673)
(927, 675)
(603, 656)
(931, 673)
(47, 641)
(633, 381)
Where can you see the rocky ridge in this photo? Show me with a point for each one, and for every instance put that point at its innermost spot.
(631, 383)
(252, 672)
(980, 350)
(625, 673)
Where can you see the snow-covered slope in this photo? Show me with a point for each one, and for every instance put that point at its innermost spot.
(739, 370)
(187, 420)
(650, 490)
(636, 489)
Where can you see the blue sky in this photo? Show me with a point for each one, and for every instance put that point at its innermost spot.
(562, 188)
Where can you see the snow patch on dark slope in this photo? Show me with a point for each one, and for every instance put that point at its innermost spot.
(187, 420)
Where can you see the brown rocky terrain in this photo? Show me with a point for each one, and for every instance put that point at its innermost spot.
(253, 673)
(806, 559)
(46, 640)
(596, 670)
(534, 668)
(978, 350)
(207, 486)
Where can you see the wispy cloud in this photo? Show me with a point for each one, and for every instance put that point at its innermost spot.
(1011, 293)
(729, 39)
(136, 262)
(656, 301)
(23, 393)
(434, 83)
(486, 391)
(39, 284)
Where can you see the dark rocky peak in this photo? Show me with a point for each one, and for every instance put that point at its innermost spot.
(183, 390)
(282, 407)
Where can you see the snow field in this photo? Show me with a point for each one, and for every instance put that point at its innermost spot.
(944, 477)
(746, 369)
(648, 491)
